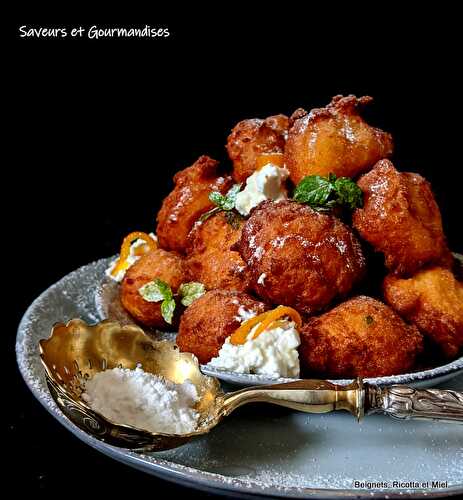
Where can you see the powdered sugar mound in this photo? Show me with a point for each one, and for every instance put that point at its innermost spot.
(143, 400)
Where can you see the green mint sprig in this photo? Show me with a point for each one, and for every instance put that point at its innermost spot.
(159, 291)
(323, 193)
(224, 203)
(191, 291)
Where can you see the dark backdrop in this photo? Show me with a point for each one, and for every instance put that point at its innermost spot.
(99, 127)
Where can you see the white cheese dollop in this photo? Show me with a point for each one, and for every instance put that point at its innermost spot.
(264, 184)
(273, 353)
(131, 259)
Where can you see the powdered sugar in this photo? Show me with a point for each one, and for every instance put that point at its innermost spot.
(258, 253)
(239, 269)
(143, 400)
(261, 278)
(244, 314)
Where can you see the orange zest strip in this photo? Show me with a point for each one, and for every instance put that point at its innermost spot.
(275, 158)
(279, 323)
(121, 263)
(240, 335)
(265, 319)
(276, 314)
(141, 250)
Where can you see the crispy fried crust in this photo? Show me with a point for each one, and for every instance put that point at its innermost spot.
(206, 324)
(433, 300)
(251, 138)
(299, 257)
(334, 139)
(168, 267)
(401, 219)
(361, 337)
(188, 201)
(210, 259)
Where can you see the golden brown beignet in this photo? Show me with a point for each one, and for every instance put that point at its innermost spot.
(210, 258)
(299, 257)
(432, 299)
(209, 320)
(188, 201)
(361, 337)
(334, 139)
(166, 266)
(252, 138)
(401, 219)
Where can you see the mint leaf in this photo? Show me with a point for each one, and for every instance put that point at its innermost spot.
(348, 193)
(167, 310)
(224, 203)
(322, 193)
(231, 197)
(191, 291)
(314, 190)
(155, 291)
(217, 198)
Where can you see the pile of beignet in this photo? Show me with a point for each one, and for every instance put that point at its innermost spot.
(287, 253)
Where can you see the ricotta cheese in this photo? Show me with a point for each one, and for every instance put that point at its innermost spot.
(273, 353)
(266, 183)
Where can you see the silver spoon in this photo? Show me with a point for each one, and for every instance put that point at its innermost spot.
(75, 351)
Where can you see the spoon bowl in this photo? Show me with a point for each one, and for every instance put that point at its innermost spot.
(75, 352)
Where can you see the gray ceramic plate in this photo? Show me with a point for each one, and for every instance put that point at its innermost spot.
(108, 305)
(266, 450)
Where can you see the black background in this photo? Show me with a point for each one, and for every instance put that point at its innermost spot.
(99, 126)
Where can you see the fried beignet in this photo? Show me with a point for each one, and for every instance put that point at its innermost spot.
(188, 201)
(401, 219)
(209, 320)
(334, 139)
(166, 266)
(361, 337)
(210, 259)
(299, 257)
(432, 299)
(252, 138)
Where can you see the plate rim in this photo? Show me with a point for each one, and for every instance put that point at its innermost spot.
(448, 369)
(183, 474)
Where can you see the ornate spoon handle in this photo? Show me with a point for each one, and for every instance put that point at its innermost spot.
(402, 402)
(311, 396)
